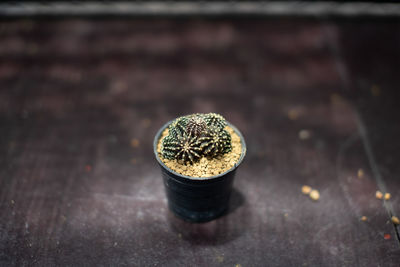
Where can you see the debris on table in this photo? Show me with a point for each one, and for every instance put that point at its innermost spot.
(314, 194)
(304, 134)
(293, 114)
(380, 195)
(305, 189)
(135, 142)
(395, 220)
(364, 218)
(387, 236)
(360, 173)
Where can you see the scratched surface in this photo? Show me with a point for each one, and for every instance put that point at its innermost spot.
(80, 102)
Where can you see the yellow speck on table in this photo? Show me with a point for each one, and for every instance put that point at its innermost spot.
(364, 218)
(378, 194)
(305, 189)
(387, 196)
(206, 167)
(395, 220)
(314, 194)
(360, 173)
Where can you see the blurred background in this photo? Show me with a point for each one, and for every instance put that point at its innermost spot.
(312, 85)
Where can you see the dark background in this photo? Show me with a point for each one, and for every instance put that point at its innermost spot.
(81, 99)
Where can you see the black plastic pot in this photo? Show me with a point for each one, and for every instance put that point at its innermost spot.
(198, 199)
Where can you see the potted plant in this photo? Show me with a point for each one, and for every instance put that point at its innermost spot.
(198, 155)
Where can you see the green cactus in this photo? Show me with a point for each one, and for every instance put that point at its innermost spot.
(194, 136)
(216, 142)
(215, 120)
(184, 148)
(178, 127)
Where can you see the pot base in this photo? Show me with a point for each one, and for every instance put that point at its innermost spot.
(196, 216)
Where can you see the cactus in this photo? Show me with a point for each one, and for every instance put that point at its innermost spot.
(216, 142)
(194, 136)
(178, 127)
(184, 148)
(215, 120)
(196, 125)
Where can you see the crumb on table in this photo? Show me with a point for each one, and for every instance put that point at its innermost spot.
(378, 194)
(314, 194)
(305, 189)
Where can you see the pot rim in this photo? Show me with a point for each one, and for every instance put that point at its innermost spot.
(155, 143)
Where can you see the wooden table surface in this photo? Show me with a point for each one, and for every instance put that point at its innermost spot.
(81, 100)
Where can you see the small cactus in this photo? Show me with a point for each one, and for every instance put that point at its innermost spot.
(184, 148)
(216, 142)
(196, 125)
(194, 136)
(178, 127)
(215, 120)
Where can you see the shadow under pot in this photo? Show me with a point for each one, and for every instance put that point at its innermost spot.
(198, 199)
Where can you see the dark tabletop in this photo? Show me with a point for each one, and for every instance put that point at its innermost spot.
(81, 101)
